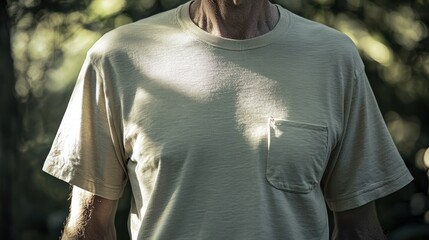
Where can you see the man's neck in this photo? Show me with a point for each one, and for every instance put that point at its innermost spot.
(236, 19)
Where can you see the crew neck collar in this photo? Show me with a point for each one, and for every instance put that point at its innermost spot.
(186, 23)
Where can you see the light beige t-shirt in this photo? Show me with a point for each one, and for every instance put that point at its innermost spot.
(226, 139)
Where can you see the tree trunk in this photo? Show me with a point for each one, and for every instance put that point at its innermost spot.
(9, 122)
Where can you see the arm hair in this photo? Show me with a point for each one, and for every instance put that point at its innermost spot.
(91, 217)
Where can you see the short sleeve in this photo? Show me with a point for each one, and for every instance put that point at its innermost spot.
(87, 150)
(365, 164)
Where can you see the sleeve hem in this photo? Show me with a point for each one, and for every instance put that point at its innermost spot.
(89, 184)
(371, 194)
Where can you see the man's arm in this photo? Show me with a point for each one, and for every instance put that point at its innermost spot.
(358, 223)
(91, 217)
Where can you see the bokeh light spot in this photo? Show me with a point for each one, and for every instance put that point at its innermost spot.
(122, 20)
(426, 158)
(419, 159)
(376, 50)
(405, 131)
(106, 8)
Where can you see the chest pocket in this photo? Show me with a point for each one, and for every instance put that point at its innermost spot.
(297, 154)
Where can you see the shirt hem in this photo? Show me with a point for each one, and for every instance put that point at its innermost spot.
(365, 196)
(69, 175)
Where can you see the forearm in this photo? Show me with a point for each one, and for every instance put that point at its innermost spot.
(358, 224)
(358, 234)
(88, 231)
(91, 217)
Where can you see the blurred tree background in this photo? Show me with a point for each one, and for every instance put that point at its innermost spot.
(43, 44)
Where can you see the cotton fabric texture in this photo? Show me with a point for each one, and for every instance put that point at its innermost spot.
(226, 139)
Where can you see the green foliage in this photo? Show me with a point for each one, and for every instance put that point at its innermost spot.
(50, 38)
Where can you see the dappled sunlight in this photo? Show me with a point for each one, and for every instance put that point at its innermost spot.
(254, 102)
(371, 46)
(396, 73)
(105, 8)
(122, 20)
(391, 68)
(40, 46)
(324, 17)
(376, 50)
(353, 28)
(73, 50)
(164, 73)
(258, 101)
(50, 40)
(408, 30)
(80, 40)
(55, 54)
